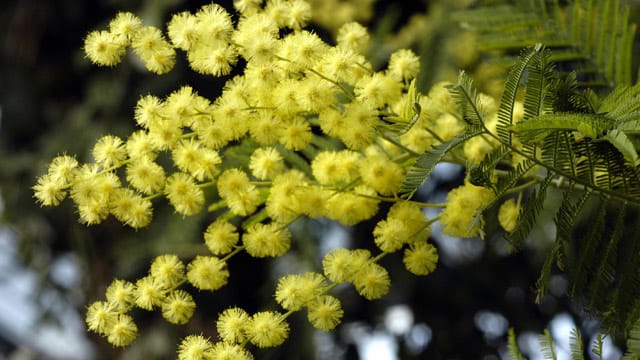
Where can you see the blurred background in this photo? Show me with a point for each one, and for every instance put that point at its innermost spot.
(53, 101)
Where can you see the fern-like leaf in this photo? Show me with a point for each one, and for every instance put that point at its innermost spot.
(633, 343)
(467, 98)
(425, 163)
(575, 344)
(512, 345)
(598, 345)
(547, 346)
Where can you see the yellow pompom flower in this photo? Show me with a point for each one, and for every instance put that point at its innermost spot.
(413, 219)
(404, 64)
(283, 203)
(62, 168)
(295, 134)
(382, 174)
(231, 325)
(168, 270)
(146, 175)
(182, 30)
(315, 197)
(109, 151)
(232, 181)
(220, 237)
(120, 295)
(124, 25)
(149, 110)
(130, 208)
(353, 36)
(372, 281)
(295, 291)
(325, 312)
(390, 234)
(104, 48)
(378, 90)
(100, 317)
(155, 52)
(191, 157)
(207, 273)
(140, 145)
(49, 190)
(350, 208)
(298, 14)
(420, 258)
(123, 331)
(267, 329)
(214, 23)
(227, 351)
(266, 240)
(165, 133)
(195, 347)
(357, 128)
(302, 49)
(508, 215)
(178, 307)
(462, 204)
(149, 293)
(340, 265)
(213, 60)
(184, 194)
(266, 163)
(336, 168)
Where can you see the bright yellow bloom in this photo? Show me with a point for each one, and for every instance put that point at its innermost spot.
(462, 204)
(325, 312)
(227, 351)
(120, 295)
(100, 317)
(124, 25)
(139, 145)
(191, 157)
(267, 329)
(178, 307)
(62, 168)
(508, 215)
(382, 174)
(336, 168)
(146, 175)
(109, 151)
(378, 90)
(353, 36)
(340, 265)
(220, 237)
(167, 270)
(421, 258)
(265, 163)
(149, 110)
(155, 52)
(195, 347)
(350, 208)
(104, 48)
(295, 134)
(123, 331)
(207, 273)
(130, 208)
(283, 203)
(390, 234)
(404, 65)
(149, 293)
(49, 190)
(184, 194)
(295, 291)
(231, 325)
(266, 240)
(372, 281)
(183, 30)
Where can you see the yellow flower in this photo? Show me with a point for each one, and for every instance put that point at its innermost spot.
(220, 237)
(508, 215)
(207, 273)
(124, 25)
(421, 258)
(191, 157)
(267, 329)
(130, 208)
(146, 175)
(155, 52)
(404, 64)
(149, 293)
(340, 265)
(265, 163)
(267, 240)
(104, 48)
(227, 351)
(390, 235)
(49, 191)
(184, 194)
(109, 151)
(123, 331)
(325, 312)
(178, 307)
(100, 317)
(120, 295)
(295, 291)
(372, 281)
(353, 36)
(231, 325)
(182, 30)
(381, 174)
(462, 204)
(195, 347)
(167, 270)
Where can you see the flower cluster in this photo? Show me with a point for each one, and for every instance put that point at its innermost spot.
(326, 136)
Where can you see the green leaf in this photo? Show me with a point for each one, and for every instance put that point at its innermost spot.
(546, 345)
(536, 129)
(514, 352)
(620, 141)
(575, 344)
